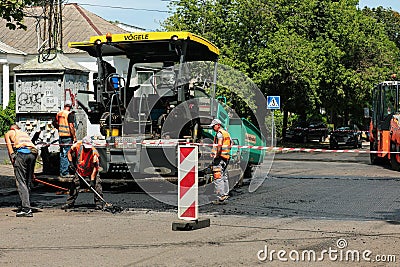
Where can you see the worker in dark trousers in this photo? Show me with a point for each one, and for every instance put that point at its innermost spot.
(22, 153)
(84, 161)
(65, 124)
(221, 155)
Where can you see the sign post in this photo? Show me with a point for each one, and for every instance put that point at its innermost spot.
(188, 183)
(273, 102)
(188, 195)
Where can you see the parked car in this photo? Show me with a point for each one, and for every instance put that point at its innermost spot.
(346, 136)
(304, 132)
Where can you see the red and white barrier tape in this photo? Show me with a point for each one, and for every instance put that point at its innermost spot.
(267, 149)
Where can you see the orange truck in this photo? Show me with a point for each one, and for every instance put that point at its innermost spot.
(384, 131)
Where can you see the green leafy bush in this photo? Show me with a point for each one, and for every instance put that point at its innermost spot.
(7, 115)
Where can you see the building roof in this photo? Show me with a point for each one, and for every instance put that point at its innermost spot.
(59, 63)
(78, 24)
(130, 28)
(6, 49)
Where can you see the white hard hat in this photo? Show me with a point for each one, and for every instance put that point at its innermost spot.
(87, 142)
(215, 122)
(68, 103)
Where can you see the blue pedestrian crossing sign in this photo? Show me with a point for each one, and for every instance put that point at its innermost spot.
(273, 102)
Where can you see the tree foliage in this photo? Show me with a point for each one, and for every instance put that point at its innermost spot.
(7, 115)
(390, 20)
(315, 54)
(12, 11)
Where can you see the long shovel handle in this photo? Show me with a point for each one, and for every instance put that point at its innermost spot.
(49, 184)
(92, 189)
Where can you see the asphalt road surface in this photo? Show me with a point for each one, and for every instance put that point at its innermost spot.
(310, 185)
(307, 201)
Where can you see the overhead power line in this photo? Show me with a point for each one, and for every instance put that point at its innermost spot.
(130, 8)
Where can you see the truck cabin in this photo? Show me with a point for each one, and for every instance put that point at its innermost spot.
(385, 103)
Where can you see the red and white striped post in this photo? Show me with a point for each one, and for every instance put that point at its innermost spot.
(188, 182)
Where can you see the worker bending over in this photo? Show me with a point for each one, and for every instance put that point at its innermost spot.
(84, 161)
(22, 153)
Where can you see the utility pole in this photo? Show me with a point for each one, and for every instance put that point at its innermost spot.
(51, 33)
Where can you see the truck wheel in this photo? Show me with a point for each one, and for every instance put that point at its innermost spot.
(240, 182)
(360, 142)
(333, 146)
(373, 147)
(395, 157)
(356, 142)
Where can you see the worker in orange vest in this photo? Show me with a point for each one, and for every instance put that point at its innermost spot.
(22, 153)
(64, 122)
(84, 160)
(221, 156)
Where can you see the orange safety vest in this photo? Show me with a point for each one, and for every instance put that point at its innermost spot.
(226, 144)
(22, 139)
(62, 120)
(86, 160)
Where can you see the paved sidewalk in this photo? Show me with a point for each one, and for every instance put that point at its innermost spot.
(6, 170)
(145, 238)
(7, 178)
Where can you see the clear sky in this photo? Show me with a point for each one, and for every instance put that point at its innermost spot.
(394, 4)
(145, 14)
(148, 14)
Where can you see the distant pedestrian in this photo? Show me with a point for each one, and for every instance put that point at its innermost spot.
(221, 156)
(84, 161)
(65, 124)
(22, 153)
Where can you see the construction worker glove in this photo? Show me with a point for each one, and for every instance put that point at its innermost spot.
(71, 168)
(92, 183)
(217, 172)
(216, 161)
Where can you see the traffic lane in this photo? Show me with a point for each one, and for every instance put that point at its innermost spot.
(318, 165)
(353, 156)
(328, 198)
(322, 185)
(146, 239)
(307, 188)
(350, 198)
(330, 169)
(280, 197)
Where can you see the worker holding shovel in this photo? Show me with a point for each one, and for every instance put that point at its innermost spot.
(84, 162)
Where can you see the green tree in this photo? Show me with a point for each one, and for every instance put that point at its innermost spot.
(357, 53)
(314, 53)
(13, 12)
(390, 20)
(7, 115)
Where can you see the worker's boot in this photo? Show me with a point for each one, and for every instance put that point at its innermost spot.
(99, 206)
(24, 213)
(67, 206)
